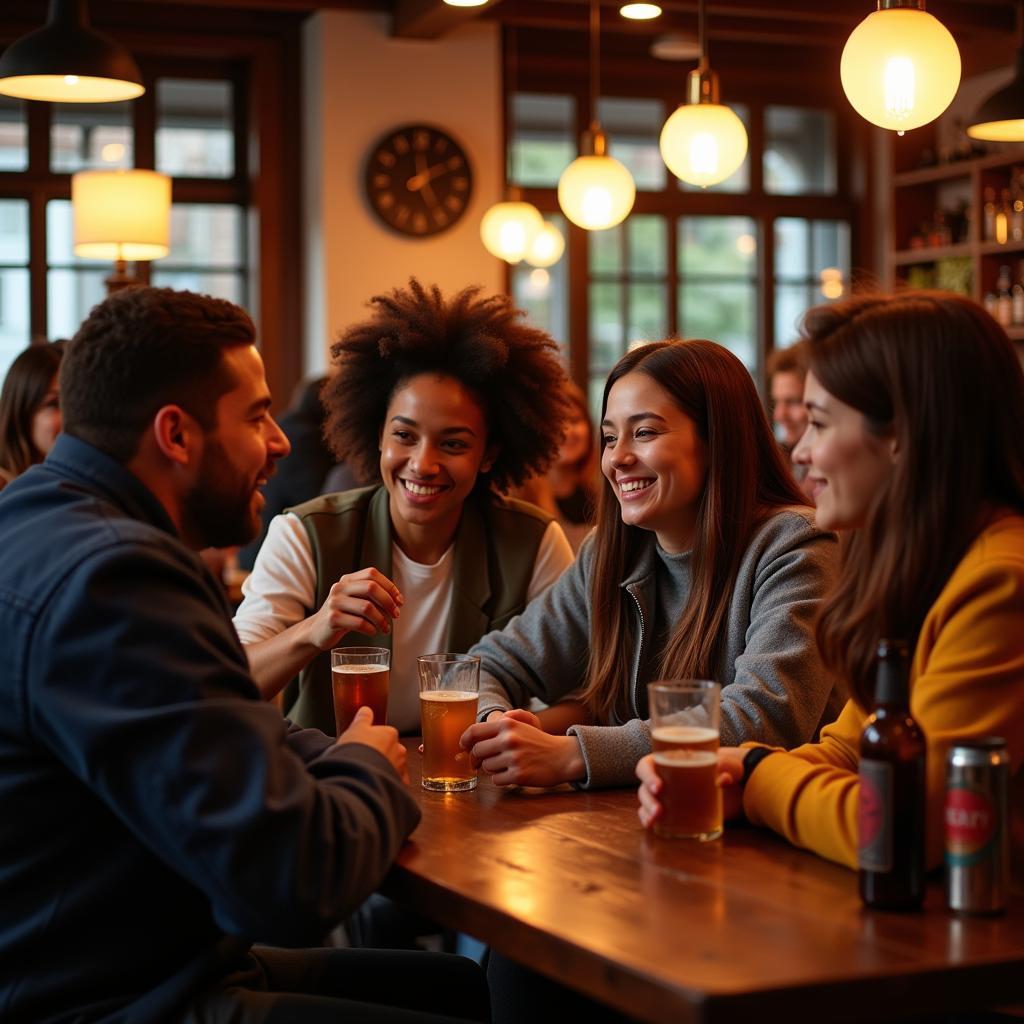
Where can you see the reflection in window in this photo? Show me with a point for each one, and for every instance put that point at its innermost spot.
(13, 135)
(14, 280)
(543, 293)
(739, 180)
(543, 138)
(633, 128)
(194, 134)
(812, 265)
(718, 287)
(91, 136)
(799, 155)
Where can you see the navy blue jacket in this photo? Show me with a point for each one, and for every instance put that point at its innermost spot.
(155, 817)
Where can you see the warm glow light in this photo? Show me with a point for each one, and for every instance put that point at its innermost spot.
(508, 229)
(596, 192)
(121, 215)
(1001, 117)
(537, 283)
(900, 68)
(70, 89)
(547, 247)
(746, 245)
(465, 3)
(640, 12)
(832, 283)
(703, 143)
(112, 152)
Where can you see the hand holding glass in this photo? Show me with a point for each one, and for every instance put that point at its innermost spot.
(684, 735)
(359, 676)
(449, 684)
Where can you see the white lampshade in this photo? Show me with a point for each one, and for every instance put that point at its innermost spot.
(596, 192)
(547, 247)
(703, 143)
(900, 68)
(508, 229)
(121, 215)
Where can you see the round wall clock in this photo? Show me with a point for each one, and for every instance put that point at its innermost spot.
(418, 180)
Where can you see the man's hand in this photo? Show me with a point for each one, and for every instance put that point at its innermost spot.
(361, 602)
(513, 749)
(383, 739)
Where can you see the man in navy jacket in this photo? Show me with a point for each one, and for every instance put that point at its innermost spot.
(157, 818)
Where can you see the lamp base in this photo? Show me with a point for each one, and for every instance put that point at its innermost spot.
(120, 278)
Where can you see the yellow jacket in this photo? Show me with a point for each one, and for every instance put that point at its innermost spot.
(967, 681)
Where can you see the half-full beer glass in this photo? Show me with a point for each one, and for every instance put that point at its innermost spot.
(448, 692)
(359, 676)
(684, 736)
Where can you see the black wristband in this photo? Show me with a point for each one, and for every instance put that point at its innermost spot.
(752, 758)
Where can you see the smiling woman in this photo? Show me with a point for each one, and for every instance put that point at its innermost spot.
(445, 402)
(705, 564)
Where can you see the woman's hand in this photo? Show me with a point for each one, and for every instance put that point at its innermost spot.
(513, 749)
(361, 602)
(730, 779)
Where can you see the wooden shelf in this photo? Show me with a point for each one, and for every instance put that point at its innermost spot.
(1016, 332)
(998, 249)
(908, 257)
(959, 168)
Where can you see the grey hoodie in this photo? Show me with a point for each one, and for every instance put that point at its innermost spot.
(774, 687)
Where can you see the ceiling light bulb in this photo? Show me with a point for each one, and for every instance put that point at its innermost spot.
(900, 67)
(547, 247)
(703, 143)
(640, 12)
(596, 192)
(508, 229)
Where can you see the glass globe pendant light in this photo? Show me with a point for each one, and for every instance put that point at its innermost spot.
(595, 191)
(900, 67)
(703, 142)
(547, 247)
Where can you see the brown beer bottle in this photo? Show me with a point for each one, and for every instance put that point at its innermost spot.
(891, 802)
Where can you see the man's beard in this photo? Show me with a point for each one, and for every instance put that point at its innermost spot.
(219, 509)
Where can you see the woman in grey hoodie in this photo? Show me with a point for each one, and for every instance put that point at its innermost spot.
(705, 563)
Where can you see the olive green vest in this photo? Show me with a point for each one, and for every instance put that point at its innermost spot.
(495, 550)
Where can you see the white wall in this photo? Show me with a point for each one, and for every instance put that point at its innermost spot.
(359, 83)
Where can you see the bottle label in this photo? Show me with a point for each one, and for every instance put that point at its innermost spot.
(970, 826)
(874, 816)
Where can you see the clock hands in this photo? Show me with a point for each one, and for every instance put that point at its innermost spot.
(425, 176)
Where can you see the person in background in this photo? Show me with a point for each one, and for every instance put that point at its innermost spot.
(447, 402)
(29, 409)
(567, 491)
(785, 370)
(301, 475)
(705, 563)
(159, 818)
(915, 452)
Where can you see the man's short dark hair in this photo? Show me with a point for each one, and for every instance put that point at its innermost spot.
(787, 360)
(483, 342)
(143, 348)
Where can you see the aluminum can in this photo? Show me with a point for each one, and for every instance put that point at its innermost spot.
(977, 832)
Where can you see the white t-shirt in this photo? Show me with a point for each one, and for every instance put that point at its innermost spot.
(282, 587)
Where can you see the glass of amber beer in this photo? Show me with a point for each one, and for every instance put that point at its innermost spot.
(359, 677)
(684, 736)
(448, 690)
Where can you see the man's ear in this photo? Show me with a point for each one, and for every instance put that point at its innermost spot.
(175, 434)
(490, 457)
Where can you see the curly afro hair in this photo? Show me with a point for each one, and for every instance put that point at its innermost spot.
(511, 368)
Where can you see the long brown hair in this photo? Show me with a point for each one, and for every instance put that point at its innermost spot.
(747, 480)
(935, 372)
(25, 387)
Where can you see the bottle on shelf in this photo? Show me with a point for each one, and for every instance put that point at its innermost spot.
(891, 796)
(991, 303)
(988, 223)
(1003, 217)
(1016, 226)
(1004, 297)
(1017, 298)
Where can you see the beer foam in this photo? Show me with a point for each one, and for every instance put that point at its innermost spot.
(351, 670)
(685, 758)
(684, 734)
(447, 695)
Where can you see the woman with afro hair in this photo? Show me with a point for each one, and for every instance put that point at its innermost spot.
(446, 402)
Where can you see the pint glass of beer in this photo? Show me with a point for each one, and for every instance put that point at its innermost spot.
(684, 736)
(448, 693)
(359, 676)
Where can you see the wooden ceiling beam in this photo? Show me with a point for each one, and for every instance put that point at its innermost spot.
(430, 19)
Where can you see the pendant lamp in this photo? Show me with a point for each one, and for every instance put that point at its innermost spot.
(546, 248)
(595, 191)
(703, 142)
(509, 228)
(900, 67)
(67, 62)
(1001, 117)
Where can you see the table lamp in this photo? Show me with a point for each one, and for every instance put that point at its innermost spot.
(121, 215)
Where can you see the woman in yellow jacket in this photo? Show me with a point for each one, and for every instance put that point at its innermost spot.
(915, 452)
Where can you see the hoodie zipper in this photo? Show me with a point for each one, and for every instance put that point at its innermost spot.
(639, 655)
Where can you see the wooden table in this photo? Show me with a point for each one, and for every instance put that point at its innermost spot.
(746, 928)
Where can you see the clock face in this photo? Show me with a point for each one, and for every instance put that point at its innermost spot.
(418, 180)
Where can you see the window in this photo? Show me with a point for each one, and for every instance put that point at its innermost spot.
(14, 301)
(687, 261)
